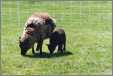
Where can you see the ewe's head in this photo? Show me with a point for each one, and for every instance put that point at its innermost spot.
(25, 40)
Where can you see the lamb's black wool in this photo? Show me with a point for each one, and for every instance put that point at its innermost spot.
(57, 38)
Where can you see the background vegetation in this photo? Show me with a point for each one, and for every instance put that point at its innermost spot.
(88, 28)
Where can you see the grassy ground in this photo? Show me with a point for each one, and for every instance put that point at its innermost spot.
(88, 28)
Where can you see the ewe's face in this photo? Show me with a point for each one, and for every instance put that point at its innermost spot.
(24, 46)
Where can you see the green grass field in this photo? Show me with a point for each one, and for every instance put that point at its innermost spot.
(89, 38)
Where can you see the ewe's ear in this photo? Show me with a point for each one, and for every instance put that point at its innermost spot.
(19, 38)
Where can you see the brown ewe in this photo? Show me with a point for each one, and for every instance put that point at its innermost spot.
(37, 28)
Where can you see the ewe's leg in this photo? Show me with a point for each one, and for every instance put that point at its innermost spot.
(33, 50)
(40, 46)
(37, 48)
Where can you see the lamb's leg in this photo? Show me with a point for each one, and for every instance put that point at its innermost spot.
(60, 48)
(64, 48)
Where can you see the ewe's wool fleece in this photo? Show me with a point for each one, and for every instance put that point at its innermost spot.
(40, 20)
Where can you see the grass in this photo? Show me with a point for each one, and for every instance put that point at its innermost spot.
(88, 29)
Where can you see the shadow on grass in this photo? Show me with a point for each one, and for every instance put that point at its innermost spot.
(47, 55)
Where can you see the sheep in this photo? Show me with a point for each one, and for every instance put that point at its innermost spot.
(57, 38)
(40, 26)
